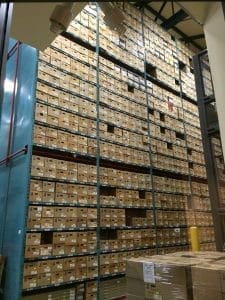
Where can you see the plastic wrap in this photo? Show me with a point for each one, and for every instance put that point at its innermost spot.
(209, 280)
(176, 276)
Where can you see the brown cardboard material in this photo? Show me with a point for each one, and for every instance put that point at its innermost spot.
(57, 277)
(207, 294)
(32, 251)
(70, 249)
(58, 249)
(133, 297)
(48, 186)
(164, 270)
(30, 269)
(171, 278)
(166, 291)
(91, 287)
(210, 275)
(45, 266)
(33, 239)
(70, 263)
(30, 282)
(59, 237)
(71, 238)
(46, 250)
(70, 275)
(44, 279)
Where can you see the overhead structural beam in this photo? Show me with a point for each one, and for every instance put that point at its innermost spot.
(141, 3)
(183, 35)
(160, 11)
(193, 38)
(186, 19)
(174, 19)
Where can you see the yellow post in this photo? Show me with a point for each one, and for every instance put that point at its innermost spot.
(195, 245)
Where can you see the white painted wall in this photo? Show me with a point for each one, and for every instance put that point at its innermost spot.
(214, 29)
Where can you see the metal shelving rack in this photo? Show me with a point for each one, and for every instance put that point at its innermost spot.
(211, 139)
(14, 291)
(5, 17)
(149, 137)
(21, 68)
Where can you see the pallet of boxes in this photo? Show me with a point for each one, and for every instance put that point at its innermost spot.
(181, 275)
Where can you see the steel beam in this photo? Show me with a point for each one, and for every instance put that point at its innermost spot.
(182, 34)
(207, 134)
(160, 11)
(193, 37)
(141, 3)
(174, 19)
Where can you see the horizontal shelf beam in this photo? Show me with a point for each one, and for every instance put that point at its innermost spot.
(104, 162)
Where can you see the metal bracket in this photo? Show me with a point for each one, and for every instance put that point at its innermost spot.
(13, 155)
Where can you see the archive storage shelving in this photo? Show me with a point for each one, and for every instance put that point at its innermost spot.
(117, 162)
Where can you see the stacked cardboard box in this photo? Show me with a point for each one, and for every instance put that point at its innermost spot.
(129, 239)
(73, 172)
(58, 271)
(112, 217)
(112, 289)
(81, 291)
(40, 217)
(169, 250)
(172, 236)
(53, 114)
(115, 263)
(137, 119)
(128, 198)
(149, 278)
(209, 281)
(59, 243)
(180, 275)
(48, 192)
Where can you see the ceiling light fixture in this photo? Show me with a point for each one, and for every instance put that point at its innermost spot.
(64, 13)
(61, 17)
(114, 17)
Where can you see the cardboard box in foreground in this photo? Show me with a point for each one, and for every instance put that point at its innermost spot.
(183, 276)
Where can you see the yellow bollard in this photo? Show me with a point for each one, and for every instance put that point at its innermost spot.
(195, 245)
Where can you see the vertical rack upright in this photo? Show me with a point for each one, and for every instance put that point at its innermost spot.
(210, 130)
(153, 206)
(189, 204)
(98, 245)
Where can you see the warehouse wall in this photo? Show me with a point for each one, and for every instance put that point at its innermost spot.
(214, 29)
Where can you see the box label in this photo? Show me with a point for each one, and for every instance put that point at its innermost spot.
(149, 272)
